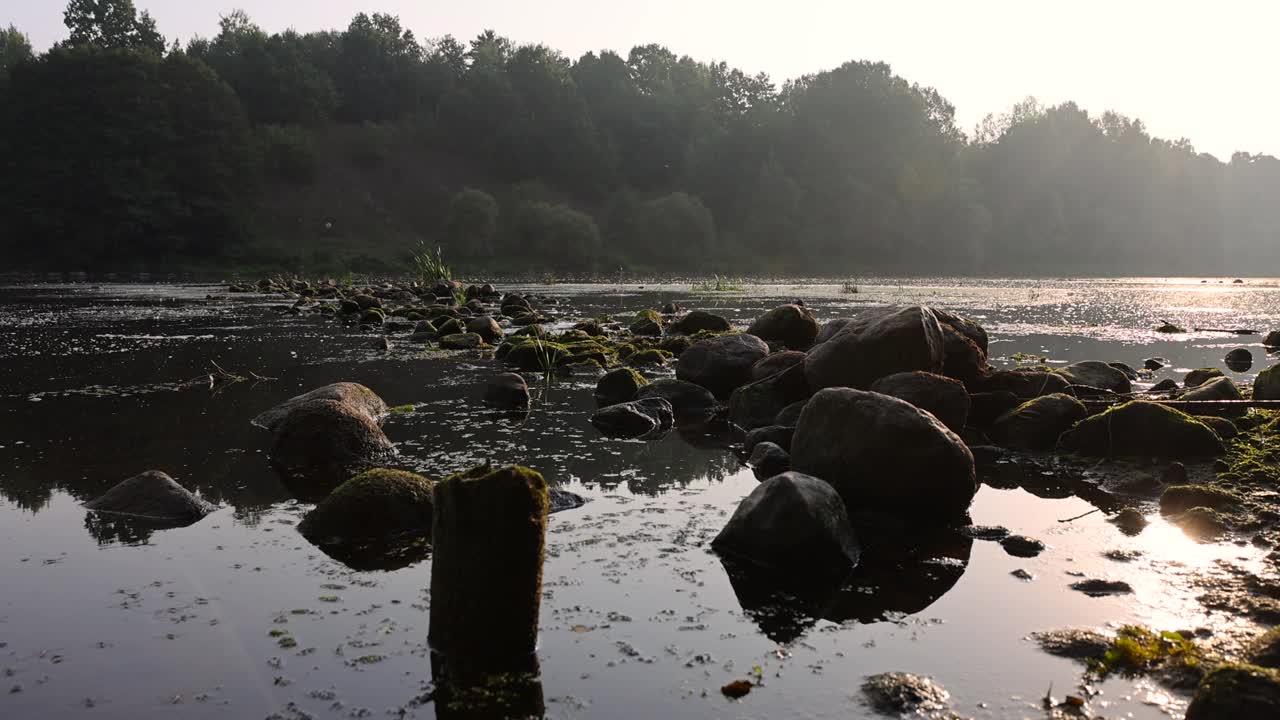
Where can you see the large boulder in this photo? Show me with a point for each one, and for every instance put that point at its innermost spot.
(152, 495)
(1142, 429)
(1098, 374)
(374, 505)
(1200, 376)
(634, 419)
(884, 453)
(322, 443)
(791, 523)
(790, 325)
(964, 326)
(353, 395)
(699, 320)
(721, 364)
(962, 358)
(878, 343)
(687, 399)
(1237, 692)
(987, 407)
(507, 391)
(775, 363)
(1025, 383)
(830, 328)
(1267, 385)
(618, 386)
(768, 459)
(1223, 388)
(756, 404)
(647, 322)
(945, 397)
(1038, 423)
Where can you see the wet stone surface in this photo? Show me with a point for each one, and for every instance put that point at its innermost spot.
(239, 615)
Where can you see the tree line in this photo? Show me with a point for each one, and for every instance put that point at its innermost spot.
(347, 148)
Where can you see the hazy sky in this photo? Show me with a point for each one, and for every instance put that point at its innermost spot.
(1194, 69)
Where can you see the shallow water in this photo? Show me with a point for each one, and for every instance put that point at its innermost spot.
(639, 618)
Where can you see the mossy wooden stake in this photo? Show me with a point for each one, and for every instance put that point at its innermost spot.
(488, 537)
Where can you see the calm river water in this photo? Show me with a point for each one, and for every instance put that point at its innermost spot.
(639, 618)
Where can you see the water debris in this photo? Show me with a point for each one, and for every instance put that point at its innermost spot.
(737, 689)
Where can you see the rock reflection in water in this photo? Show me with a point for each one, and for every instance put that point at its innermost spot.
(902, 571)
(501, 697)
(113, 529)
(378, 555)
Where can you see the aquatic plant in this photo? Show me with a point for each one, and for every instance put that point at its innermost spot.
(429, 265)
(1136, 650)
(849, 288)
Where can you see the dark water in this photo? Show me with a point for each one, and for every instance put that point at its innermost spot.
(639, 619)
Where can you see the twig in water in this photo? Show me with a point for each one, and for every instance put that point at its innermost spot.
(1080, 516)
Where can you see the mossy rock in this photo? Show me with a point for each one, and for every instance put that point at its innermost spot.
(461, 341)
(1202, 523)
(676, 344)
(698, 321)
(451, 326)
(1237, 692)
(1200, 376)
(1142, 429)
(535, 355)
(366, 301)
(376, 504)
(1180, 498)
(650, 357)
(572, 336)
(1267, 385)
(1265, 650)
(619, 386)
(647, 322)
(372, 316)
(531, 331)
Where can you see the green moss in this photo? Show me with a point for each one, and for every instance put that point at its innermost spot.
(1180, 498)
(450, 326)
(1142, 429)
(649, 357)
(571, 336)
(676, 344)
(372, 316)
(1237, 692)
(1137, 650)
(647, 322)
(401, 409)
(375, 504)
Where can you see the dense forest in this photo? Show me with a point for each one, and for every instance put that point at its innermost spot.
(345, 150)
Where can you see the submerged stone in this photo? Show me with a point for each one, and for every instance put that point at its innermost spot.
(1095, 587)
(898, 693)
(634, 419)
(152, 495)
(618, 386)
(1073, 643)
(376, 504)
(322, 443)
(1022, 546)
(507, 391)
(687, 399)
(354, 395)
(791, 523)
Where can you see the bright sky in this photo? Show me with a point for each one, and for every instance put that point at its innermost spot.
(1188, 68)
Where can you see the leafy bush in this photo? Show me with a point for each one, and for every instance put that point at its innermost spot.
(472, 222)
(670, 229)
(560, 232)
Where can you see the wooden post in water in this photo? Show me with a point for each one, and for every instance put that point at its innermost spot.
(489, 538)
